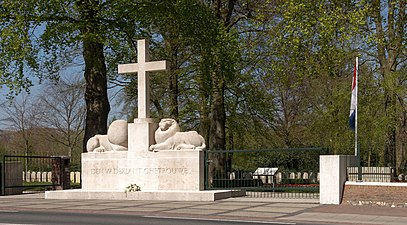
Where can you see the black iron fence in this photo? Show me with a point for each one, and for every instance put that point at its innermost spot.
(384, 174)
(373, 174)
(17, 173)
(286, 173)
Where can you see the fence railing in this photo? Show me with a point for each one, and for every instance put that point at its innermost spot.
(18, 176)
(287, 173)
(373, 174)
(277, 178)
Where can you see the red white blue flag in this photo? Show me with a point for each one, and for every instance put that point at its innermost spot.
(354, 100)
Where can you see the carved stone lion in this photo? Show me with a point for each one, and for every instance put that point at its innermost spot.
(115, 140)
(169, 137)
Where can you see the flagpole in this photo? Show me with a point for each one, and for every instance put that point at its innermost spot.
(356, 110)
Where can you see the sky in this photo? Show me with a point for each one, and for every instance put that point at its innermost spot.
(71, 74)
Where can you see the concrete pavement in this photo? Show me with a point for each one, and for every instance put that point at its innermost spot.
(288, 211)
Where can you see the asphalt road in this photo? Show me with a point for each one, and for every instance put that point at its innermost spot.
(62, 218)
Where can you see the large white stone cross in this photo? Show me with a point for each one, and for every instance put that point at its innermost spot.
(142, 67)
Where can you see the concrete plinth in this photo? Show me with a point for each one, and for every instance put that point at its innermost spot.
(333, 176)
(145, 195)
(141, 137)
(172, 175)
(176, 175)
(171, 170)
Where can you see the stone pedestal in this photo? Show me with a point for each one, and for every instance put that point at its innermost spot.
(172, 175)
(333, 176)
(141, 136)
(155, 171)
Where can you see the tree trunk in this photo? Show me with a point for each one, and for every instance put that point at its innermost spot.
(217, 136)
(218, 114)
(97, 102)
(390, 141)
(173, 85)
(388, 50)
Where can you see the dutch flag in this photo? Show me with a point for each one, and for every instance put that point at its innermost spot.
(354, 99)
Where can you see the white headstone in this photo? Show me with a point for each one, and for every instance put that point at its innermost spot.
(77, 177)
(33, 176)
(72, 177)
(49, 177)
(44, 177)
(279, 177)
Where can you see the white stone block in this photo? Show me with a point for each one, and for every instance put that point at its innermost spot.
(332, 177)
(164, 170)
(77, 177)
(232, 175)
(33, 177)
(44, 177)
(49, 177)
(72, 176)
(141, 136)
(38, 177)
(279, 177)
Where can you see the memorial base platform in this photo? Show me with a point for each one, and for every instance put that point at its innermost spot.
(209, 195)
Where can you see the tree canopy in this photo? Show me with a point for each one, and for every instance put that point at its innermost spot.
(246, 74)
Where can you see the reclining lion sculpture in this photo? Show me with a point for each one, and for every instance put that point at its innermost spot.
(169, 137)
(115, 140)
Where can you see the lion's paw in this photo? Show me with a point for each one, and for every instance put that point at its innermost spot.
(99, 149)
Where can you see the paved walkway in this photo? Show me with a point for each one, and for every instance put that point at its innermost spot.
(288, 211)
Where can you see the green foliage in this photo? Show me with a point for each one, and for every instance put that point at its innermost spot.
(283, 68)
(34, 39)
(292, 160)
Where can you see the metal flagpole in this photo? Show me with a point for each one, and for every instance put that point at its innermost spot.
(357, 149)
(356, 110)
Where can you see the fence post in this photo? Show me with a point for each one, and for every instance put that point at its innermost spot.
(2, 178)
(359, 165)
(56, 174)
(66, 172)
(61, 173)
(206, 166)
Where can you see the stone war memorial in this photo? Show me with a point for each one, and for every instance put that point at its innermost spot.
(144, 160)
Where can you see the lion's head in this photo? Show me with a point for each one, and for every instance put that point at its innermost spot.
(166, 128)
(166, 123)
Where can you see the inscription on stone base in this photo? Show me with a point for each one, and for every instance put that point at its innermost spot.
(140, 171)
(175, 170)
